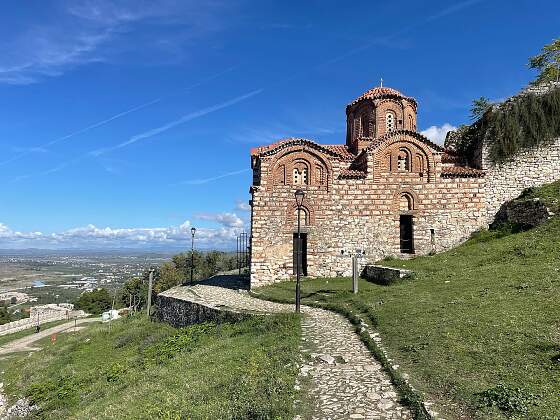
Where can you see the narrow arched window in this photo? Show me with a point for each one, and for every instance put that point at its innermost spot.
(364, 125)
(300, 175)
(403, 160)
(389, 121)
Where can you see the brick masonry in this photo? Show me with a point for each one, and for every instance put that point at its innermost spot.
(355, 194)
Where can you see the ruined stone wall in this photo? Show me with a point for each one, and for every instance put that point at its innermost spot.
(360, 213)
(530, 168)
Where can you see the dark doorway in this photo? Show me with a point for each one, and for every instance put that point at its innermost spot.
(407, 234)
(303, 254)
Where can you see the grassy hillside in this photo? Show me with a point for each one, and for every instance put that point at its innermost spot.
(477, 328)
(141, 369)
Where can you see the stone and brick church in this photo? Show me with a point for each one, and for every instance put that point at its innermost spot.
(388, 191)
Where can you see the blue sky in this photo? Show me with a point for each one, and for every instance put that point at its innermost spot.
(124, 123)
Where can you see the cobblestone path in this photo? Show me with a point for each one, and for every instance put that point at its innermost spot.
(346, 382)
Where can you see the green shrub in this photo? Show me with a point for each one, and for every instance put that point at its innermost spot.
(183, 340)
(508, 399)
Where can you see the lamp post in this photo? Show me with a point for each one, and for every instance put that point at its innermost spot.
(150, 285)
(299, 194)
(193, 231)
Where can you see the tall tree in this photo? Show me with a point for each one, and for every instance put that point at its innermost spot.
(547, 62)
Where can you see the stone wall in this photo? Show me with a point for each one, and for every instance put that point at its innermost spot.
(180, 312)
(527, 213)
(507, 181)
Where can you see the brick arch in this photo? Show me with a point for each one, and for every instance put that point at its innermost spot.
(291, 221)
(421, 153)
(319, 167)
(411, 196)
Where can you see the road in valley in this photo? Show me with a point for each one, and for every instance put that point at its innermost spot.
(25, 343)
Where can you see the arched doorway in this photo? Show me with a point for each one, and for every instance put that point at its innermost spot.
(406, 225)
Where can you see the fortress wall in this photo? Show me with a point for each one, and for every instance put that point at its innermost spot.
(507, 181)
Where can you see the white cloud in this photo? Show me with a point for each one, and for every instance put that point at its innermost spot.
(242, 206)
(91, 236)
(229, 220)
(437, 134)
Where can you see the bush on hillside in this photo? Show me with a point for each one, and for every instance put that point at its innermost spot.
(94, 302)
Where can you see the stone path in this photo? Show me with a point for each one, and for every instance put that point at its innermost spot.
(346, 381)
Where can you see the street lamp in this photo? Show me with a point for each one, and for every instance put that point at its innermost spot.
(299, 202)
(193, 231)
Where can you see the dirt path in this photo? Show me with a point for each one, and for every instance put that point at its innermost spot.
(25, 343)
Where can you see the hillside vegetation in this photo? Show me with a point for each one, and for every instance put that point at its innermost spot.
(477, 328)
(135, 368)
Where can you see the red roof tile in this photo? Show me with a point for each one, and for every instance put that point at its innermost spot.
(461, 171)
(339, 150)
(382, 92)
(352, 173)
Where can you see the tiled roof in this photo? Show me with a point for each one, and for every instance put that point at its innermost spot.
(461, 171)
(450, 157)
(382, 92)
(338, 150)
(352, 173)
(341, 150)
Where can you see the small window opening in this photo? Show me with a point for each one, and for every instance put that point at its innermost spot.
(390, 121)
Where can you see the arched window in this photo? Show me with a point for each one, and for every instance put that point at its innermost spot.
(389, 121)
(300, 174)
(403, 160)
(280, 175)
(304, 216)
(406, 202)
(364, 125)
(411, 125)
(319, 177)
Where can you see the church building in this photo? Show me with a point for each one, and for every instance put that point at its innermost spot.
(388, 191)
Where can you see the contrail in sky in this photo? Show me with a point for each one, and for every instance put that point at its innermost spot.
(214, 178)
(149, 133)
(114, 117)
(182, 120)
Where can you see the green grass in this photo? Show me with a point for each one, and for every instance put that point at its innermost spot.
(483, 315)
(143, 369)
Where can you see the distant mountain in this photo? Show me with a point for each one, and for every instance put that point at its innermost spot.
(163, 252)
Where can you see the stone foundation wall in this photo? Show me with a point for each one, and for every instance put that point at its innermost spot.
(181, 312)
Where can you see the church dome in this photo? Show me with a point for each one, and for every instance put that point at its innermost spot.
(379, 92)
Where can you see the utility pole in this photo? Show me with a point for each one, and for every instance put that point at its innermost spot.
(150, 282)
